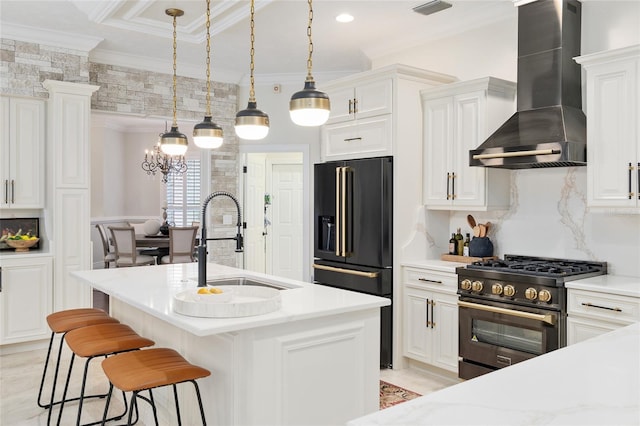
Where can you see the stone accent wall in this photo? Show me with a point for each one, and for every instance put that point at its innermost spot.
(24, 66)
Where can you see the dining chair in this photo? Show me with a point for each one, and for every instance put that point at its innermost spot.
(109, 254)
(124, 240)
(182, 241)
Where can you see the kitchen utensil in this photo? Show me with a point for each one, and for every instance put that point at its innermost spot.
(487, 226)
(482, 230)
(476, 231)
(471, 221)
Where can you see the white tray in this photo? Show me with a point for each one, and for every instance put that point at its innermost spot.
(246, 301)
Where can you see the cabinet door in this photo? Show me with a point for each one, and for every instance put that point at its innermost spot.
(437, 136)
(341, 104)
(26, 153)
(373, 98)
(469, 133)
(5, 160)
(416, 330)
(612, 128)
(580, 329)
(26, 299)
(445, 331)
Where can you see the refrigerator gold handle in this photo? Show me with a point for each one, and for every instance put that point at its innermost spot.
(548, 318)
(338, 228)
(343, 206)
(347, 271)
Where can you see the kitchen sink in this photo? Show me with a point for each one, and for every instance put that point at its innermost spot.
(245, 281)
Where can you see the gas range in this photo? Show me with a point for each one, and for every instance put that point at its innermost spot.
(524, 280)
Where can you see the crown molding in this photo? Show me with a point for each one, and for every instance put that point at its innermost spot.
(62, 39)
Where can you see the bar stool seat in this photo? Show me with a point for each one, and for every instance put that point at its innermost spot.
(148, 369)
(96, 341)
(63, 322)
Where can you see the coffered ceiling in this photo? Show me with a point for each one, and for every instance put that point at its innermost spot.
(137, 33)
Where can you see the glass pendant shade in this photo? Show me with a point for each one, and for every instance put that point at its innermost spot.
(207, 134)
(309, 107)
(173, 142)
(252, 123)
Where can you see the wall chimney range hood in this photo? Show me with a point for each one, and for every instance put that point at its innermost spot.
(549, 127)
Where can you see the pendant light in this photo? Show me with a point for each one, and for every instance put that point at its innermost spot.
(173, 142)
(309, 107)
(207, 134)
(251, 123)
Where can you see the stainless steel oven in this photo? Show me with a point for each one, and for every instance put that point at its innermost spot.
(514, 309)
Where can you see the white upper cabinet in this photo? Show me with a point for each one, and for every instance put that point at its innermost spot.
(457, 118)
(373, 110)
(361, 100)
(613, 140)
(22, 153)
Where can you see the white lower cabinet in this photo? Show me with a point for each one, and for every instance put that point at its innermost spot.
(591, 314)
(431, 318)
(26, 298)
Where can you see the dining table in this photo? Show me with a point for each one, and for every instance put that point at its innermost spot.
(145, 241)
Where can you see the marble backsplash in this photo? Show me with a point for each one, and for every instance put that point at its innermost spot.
(549, 217)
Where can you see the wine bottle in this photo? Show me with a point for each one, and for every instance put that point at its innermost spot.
(459, 243)
(452, 244)
(465, 249)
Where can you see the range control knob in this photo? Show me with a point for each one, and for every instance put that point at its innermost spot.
(465, 284)
(544, 296)
(509, 290)
(531, 293)
(496, 289)
(477, 286)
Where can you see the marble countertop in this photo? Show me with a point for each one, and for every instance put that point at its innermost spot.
(609, 284)
(595, 382)
(433, 264)
(151, 289)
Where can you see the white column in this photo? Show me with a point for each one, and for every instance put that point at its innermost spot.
(68, 188)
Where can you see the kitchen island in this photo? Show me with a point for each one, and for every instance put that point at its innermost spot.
(595, 382)
(313, 361)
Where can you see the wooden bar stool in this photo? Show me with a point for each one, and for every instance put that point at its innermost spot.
(96, 341)
(148, 369)
(63, 322)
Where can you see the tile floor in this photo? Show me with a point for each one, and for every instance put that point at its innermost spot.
(20, 379)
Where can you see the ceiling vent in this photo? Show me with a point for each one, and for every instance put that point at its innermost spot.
(431, 7)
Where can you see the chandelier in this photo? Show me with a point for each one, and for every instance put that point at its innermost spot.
(157, 161)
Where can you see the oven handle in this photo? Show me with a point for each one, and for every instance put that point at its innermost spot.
(347, 271)
(548, 318)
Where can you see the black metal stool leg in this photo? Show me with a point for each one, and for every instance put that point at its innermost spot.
(175, 398)
(204, 420)
(44, 372)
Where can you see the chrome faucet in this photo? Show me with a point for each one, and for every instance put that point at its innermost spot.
(202, 247)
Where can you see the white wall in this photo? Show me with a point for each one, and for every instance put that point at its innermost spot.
(548, 214)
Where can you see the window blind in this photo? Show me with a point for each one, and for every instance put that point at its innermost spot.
(183, 195)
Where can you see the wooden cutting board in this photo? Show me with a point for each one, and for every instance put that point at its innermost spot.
(464, 259)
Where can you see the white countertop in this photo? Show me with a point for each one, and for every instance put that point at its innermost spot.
(610, 284)
(151, 289)
(433, 264)
(595, 382)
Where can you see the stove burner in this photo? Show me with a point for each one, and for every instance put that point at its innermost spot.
(539, 266)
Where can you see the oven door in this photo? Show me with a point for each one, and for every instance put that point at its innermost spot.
(497, 335)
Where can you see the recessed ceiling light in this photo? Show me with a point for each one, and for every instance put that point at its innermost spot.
(344, 18)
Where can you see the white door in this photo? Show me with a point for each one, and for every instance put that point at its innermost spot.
(284, 258)
(255, 181)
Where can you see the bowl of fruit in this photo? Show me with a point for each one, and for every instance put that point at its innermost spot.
(22, 242)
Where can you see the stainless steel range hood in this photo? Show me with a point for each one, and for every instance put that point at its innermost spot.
(549, 129)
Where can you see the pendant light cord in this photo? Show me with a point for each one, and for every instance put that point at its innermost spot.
(175, 76)
(252, 92)
(208, 25)
(309, 61)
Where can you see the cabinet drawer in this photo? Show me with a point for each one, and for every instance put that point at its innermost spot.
(364, 138)
(610, 307)
(432, 280)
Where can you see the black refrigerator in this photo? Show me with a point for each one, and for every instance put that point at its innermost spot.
(353, 235)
